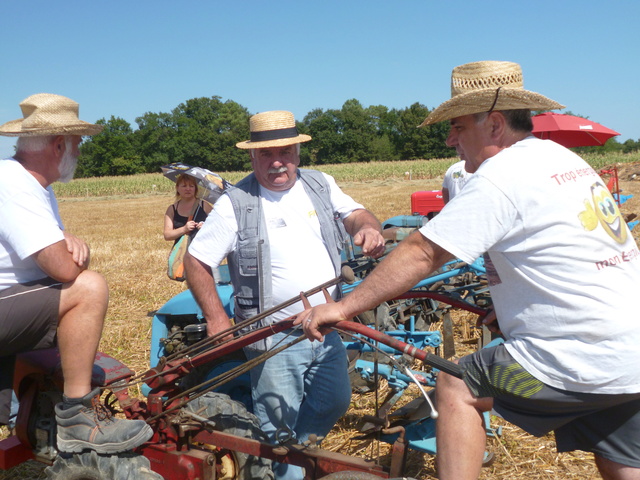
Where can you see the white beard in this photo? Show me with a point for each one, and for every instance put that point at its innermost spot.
(67, 167)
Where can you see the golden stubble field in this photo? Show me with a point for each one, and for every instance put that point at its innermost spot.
(125, 236)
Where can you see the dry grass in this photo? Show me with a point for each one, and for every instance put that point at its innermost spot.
(125, 234)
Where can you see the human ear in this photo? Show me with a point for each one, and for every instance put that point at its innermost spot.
(497, 123)
(59, 145)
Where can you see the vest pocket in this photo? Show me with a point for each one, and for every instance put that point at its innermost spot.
(248, 261)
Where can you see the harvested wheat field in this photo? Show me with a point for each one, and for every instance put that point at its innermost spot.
(125, 235)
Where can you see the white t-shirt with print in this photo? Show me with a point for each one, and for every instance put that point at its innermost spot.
(299, 259)
(568, 266)
(455, 178)
(30, 222)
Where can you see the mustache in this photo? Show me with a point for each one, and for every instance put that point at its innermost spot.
(277, 170)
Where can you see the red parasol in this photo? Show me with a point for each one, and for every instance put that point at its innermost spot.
(570, 131)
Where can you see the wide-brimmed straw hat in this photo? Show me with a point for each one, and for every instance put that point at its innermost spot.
(273, 129)
(48, 114)
(486, 86)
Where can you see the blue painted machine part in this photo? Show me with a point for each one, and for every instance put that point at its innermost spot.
(181, 304)
(446, 274)
(622, 198)
(421, 435)
(395, 378)
(405, 221)
(416, 338)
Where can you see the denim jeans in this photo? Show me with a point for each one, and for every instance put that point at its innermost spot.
(302, 390)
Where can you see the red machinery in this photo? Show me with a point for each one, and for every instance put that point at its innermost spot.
(198, 434)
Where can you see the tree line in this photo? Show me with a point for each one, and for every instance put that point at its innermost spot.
(204, 131)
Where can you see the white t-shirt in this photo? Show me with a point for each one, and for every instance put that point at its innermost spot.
(568, 266)
(299, 259)
(455, 178)
(30, 222)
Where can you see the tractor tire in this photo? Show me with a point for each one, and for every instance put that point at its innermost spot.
(233, 418)
(93, 466)
(349, 475)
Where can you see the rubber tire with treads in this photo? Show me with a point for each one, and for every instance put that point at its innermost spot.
(348, 475)
(232, 417)
(93, 466)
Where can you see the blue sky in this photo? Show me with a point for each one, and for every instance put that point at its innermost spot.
(126, 58)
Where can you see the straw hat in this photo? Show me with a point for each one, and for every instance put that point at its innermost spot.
(486, 86)
(273, 129)
(48, 114)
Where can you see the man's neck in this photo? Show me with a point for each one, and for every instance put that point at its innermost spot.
(38, 166)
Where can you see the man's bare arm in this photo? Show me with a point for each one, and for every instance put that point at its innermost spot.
(413, 259)
(58, 262)
(78, 249)
(203, 287)
(366, 231)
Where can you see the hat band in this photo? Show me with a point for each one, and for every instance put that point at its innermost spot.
(274, 134)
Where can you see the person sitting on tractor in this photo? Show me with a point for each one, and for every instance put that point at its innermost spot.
(48, 295)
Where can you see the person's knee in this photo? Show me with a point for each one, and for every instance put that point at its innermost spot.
(610, 470)
(452, 391)
(89, 288)
(342, 398)
(449, 386)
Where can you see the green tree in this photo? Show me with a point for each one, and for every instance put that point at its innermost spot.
(326, 133)
(111, 152)
(154, 139)
(201, 132)
(630, 146)
(413, 142)
(385, 123)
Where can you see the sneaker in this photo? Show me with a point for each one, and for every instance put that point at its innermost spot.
(91, 425)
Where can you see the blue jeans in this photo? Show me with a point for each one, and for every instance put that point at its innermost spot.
(304, 389)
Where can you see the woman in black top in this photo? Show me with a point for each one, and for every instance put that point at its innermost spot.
(187, 204)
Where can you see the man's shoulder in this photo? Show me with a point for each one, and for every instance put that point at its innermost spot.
(316, 179)
(309, 172)
(13, 177)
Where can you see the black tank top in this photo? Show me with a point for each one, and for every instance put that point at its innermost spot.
(180, 221)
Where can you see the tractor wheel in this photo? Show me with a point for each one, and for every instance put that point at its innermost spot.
(93, 466)
(232, 417)
(348, 475)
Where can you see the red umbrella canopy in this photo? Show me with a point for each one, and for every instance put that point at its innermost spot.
(570, 131)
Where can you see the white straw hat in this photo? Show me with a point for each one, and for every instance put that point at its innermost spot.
(48, 114)
(486, 86)
(276, 128)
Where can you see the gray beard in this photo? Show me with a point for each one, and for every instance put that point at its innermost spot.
(67, 167)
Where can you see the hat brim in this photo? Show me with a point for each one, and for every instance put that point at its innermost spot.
(279, 142)
(15, 128)
(482, 100)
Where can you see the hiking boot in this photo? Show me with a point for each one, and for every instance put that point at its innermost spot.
(91, 425)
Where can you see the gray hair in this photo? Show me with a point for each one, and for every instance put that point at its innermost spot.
(34, 144)
(517, 119)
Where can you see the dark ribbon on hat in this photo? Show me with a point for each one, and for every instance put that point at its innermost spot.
(274, 134)
(495, 100)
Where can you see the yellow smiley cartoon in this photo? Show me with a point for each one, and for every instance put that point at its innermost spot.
(605, 212)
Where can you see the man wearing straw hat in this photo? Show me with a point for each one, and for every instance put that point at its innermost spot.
(566, 276)
(47, 294)
(282, 229)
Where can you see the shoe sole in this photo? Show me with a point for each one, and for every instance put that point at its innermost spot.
(77, 446)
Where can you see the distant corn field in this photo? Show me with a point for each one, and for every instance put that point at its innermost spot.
(156, 183)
